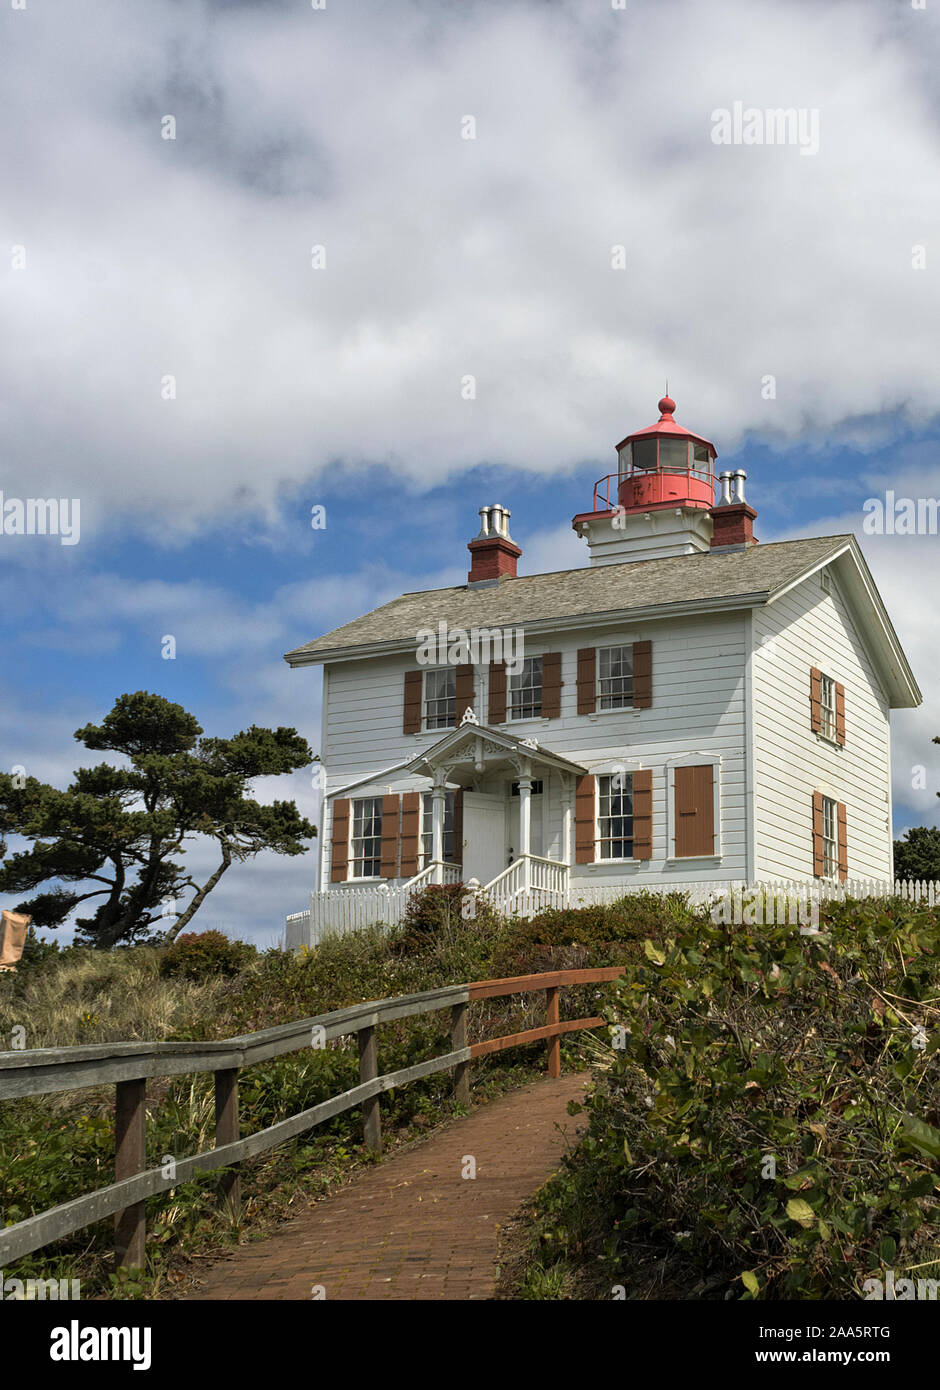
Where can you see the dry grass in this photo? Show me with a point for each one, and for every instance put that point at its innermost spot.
(105, 996)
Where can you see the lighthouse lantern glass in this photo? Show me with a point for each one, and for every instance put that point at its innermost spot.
(644, 453)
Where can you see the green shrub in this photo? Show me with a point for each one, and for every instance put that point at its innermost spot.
(767, 1123)
(199, 955)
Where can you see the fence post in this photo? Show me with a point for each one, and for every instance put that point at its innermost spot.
(554, 1044)
(368, 1071)
(227, 1130)
(130, 1156)
(458, 1040)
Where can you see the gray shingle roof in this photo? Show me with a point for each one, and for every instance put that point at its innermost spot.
(535, 598)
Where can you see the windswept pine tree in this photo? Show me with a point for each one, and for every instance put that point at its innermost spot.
(116, 835)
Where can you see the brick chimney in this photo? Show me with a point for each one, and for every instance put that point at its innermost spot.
(732, 518)
(493, 552)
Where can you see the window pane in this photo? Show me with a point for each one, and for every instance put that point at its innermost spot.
(615, 816)
(673, 453)
(615, 677)
(525, 690)
(644, 453)
(367, 837)
(440, 698)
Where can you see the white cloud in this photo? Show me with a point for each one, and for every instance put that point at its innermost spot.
(446, 256)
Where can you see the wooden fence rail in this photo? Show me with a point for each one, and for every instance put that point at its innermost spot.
(43, 1071)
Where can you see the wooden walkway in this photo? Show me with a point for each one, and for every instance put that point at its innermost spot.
(414, 1227)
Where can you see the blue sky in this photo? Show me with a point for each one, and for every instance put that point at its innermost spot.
(135, 258)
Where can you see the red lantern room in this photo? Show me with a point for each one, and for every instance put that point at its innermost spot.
(661, 500)
(665, 466)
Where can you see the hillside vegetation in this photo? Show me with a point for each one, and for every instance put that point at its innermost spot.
(54, 1148)
(765, 1122)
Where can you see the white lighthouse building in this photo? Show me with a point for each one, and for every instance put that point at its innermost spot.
(689, 706)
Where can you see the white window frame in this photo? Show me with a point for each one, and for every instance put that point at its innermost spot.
(827, 711)
(514, 686)
(600, 693)
(426, 725)
(352, 856)
(599, 857)
(830, 811)
(692, 760)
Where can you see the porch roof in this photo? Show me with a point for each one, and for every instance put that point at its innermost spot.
(471, 748)
(461, 750)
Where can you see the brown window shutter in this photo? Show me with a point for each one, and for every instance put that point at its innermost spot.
(388, 866)
(464, 699)
(840, 714)
(585, 825)
(551, 685)
(587, 680)
(819, 862)
(339, 841)
(642, 675)
(410, 828)
(458, 826)
(497, 709)
(414, 689)
(815, 700)
(694, 811)
(843, 842)
(643, 814)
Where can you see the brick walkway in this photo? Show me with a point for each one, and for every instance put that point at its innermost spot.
(413, 1227)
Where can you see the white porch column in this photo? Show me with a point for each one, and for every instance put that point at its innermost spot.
(525, 826)
(567, 789)
(438, 796)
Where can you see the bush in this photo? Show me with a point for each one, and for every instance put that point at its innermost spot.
(769, 1125)
(437, 911)
(199, 955)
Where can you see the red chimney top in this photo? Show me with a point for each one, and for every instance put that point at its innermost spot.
(493, 551)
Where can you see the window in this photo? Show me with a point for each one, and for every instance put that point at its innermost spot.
(827, 701)
(644, 453)
(536, 788)
(427, 839)
(440, 698)
(525, 690)
(830, 844)
(367, 837)
(615, 816)
(700, 455)
(673, 453)
(615, 676)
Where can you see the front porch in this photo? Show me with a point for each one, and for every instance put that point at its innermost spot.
(494, 811)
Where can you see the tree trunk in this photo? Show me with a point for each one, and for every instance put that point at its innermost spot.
(199, 898)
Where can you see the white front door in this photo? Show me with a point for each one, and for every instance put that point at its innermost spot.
(484, 845)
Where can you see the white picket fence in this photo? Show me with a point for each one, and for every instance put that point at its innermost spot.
(350, 909)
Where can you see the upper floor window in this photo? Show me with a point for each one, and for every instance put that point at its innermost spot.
(367, 837)
(525, 690)
(615, 677)
(440, 698)
(827, 702)
(427, 838)
(615, 816)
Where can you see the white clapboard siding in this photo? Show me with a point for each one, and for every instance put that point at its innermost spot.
(698, 707)
(809, 627)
